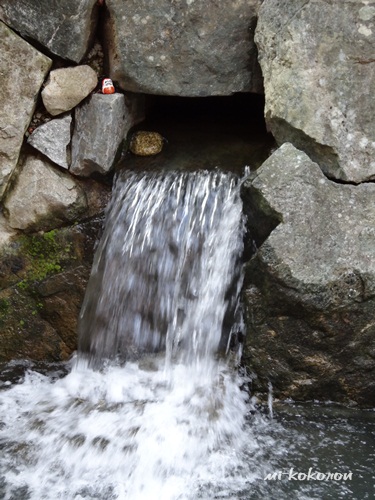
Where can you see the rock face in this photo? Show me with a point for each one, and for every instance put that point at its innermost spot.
(101, 125)
(51, 197)
(183, 49)
(67, 87)
(53, 140)
(317, 59)
(310, 287)
(22, 70)
(64, 28)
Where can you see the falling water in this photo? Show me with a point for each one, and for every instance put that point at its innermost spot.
(167, 273)
(152, 406)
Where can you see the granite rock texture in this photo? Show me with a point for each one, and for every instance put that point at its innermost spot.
(63, 28)
(317, 59)
(23, 70)
(310, 287)
(183, 48)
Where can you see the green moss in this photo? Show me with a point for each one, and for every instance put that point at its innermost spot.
(46, 254)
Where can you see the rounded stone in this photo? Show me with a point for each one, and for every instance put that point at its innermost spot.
(67, 87)
(146, 143)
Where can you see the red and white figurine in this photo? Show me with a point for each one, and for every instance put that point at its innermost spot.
(107, 86)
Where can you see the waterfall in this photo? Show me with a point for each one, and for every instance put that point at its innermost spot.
(150, 407)
(167, 273)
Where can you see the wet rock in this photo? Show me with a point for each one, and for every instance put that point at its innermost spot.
(101, 125)
(97, 196)
(24, 334)
(145, 143)
(53, 140)
(43, 197)
(62, 295)
(310, 287)
(42, 282)
(64, 28)
(317, 60)
(183, 49)
(23, 70)
(67, 87)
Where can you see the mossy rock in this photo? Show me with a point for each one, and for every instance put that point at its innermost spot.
(43, 279)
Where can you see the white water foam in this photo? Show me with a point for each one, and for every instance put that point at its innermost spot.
(129, 432)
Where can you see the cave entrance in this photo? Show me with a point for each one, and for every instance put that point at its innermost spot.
(206, 132)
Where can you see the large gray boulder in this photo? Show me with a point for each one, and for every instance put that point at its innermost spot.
(185, 49)
(101, 125)
(23, 70)
(310, 287)
(317, 60)
(43, 197)
(53, 140)
(64, 28)
(67, 87)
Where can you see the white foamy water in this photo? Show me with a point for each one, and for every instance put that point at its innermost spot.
(125, 432)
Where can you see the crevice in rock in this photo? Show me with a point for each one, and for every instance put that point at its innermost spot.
(350, 183)
(321, 154)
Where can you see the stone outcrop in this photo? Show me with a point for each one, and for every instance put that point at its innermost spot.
(185, 49)
(23, 70)
(94, 147)
(67, 87)
(317, 59)
(51, 197)
(310, 287)
(53, 140)
(64, 28)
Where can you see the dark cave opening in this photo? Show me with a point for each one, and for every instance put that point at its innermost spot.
(241, 107)
(226, 132)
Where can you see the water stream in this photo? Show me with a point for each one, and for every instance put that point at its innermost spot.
(153, 406)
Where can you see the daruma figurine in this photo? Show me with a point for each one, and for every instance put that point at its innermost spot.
(107, 86)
